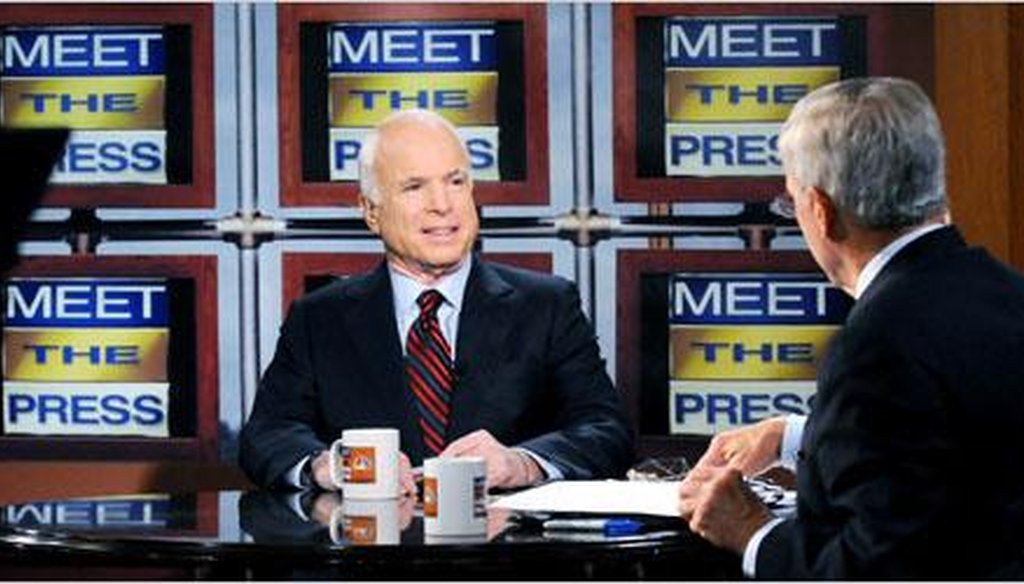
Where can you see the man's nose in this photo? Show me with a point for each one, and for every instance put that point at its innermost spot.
(438, 198)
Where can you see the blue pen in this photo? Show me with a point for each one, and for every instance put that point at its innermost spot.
(611, 526)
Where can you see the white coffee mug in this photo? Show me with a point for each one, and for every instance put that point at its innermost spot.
(455, 496)
(364, 463)
(366, 522)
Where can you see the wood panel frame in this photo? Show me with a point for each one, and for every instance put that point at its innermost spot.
(899, 39)
(198, 193)
(204, 446)
(297, 266)
(631, 265)
(979, 91)
(295, 191)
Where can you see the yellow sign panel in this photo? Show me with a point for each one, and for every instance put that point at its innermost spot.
(87, 354)
(734, 95)
(366, 99)
(85, 103)
(747, 352)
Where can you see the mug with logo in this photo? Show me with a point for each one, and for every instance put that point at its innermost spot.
(455, 496)
(364, 463)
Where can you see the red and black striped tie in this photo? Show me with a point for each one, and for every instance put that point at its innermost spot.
(429, 368)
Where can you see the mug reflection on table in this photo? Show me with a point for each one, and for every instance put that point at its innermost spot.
(368, 522)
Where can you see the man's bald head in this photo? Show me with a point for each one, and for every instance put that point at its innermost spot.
(391, 128)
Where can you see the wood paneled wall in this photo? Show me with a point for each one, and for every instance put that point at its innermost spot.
(22, 481)
(979, 89)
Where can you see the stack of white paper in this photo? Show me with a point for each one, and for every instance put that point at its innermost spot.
(605, 497)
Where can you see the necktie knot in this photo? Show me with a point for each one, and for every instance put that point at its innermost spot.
(429, 301)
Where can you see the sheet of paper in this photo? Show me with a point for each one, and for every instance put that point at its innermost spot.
(607, 497)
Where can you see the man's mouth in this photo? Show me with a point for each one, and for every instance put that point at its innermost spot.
(440, 232)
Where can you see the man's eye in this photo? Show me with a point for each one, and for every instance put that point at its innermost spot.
(411, 187)
(458, 180)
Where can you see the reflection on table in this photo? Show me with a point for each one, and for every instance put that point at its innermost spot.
(312, 535)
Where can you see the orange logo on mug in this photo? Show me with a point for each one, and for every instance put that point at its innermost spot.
(359, 463)
(361, 530)
(430, 496)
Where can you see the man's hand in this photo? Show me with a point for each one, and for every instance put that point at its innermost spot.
(750, 449)
(324, 507)
(406, 510)
(506, 468)
(321, 467)
(720, 507)
(321, 471)
(406, 482)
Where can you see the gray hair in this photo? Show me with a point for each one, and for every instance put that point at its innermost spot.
(371, 143)
(874, 145)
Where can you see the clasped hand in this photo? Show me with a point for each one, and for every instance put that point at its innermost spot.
(715, 500)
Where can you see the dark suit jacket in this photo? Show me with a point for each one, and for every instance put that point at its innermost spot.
(912, 461)
(528, 370)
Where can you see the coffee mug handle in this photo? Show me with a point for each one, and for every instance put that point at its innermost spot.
(337, 463)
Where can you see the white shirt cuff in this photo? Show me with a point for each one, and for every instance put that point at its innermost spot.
(294, 501)
(791, 438)
(549, 469)
(293, 477)
(750, 552)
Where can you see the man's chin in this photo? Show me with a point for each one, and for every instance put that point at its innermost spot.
(441, 266)
(430, 268)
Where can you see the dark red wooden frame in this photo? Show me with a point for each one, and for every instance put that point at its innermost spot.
(198, 193)
(631, 265)
(204, 445)
(296, 266)
(297, 192)
(900, 43)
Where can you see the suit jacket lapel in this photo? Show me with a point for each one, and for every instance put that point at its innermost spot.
(371, 320)
(484, 324)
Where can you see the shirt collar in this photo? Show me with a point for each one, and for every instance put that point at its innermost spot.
(452, 286)
(879, 261)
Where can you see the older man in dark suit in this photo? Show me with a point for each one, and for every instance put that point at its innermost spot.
(909, 465)
(463, 356)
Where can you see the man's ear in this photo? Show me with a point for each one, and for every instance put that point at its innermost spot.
(826, 215)
(370, 213)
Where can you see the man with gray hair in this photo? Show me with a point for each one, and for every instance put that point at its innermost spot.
(465, 357)
(909, 464)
